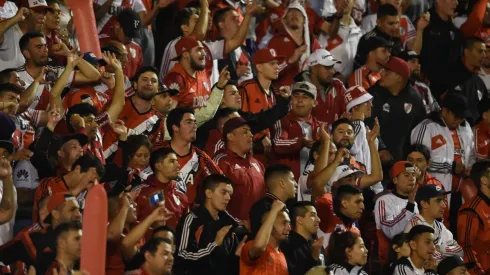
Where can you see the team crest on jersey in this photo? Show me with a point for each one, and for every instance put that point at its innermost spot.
(191, 91)
(402, 31)
(132, 52)
(408, 107)
(274, 17)
(176, 199)
(386, 107)
(273, 52)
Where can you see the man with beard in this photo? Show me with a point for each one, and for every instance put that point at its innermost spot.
(188, 75)
(29, 18)
(35, 50)
(301, 249)
(138, 115)
(239, 165)
(343, 137)
(195, 165)
(377, 53)
(166, 169)
(294, 42)
(330, 99)
(62, 208)
(450, 138)
(463, 77)
(417, 83)
(203, 245)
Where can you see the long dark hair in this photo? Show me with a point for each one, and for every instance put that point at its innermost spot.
(340, 240)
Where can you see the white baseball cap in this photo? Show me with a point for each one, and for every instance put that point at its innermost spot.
(343, 171)
(306, 87)
(322, 57)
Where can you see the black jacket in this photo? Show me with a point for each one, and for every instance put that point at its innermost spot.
(263, 120)
(196, 251)
(397, 116)
(297, 251)
(441, 49)
(469, 84)
(231, 62)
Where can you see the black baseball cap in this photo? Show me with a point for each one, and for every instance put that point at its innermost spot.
(457, 104)
(429, 191)
(408, 55)
(450, 263)
(164, 89)
(370, 42)
(130, 22)
(57, 142)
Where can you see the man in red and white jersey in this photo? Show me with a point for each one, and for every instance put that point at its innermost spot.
(35, 51)
(30, 17)
(189, 76)
(195, 165)
(331, 91)
(127, 27)
(215, 50)
(137, 114)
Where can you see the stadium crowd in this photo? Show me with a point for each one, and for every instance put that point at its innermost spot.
(248, 137)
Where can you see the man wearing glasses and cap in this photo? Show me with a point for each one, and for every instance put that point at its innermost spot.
(330, 90)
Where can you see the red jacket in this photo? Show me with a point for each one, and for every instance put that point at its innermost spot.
(284, 45)
(247, 175)
(175, 200)
(330, 103)
(215, 143)
(287, 135)
(482, 141)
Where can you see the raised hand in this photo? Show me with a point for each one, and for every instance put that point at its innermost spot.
(285, 91)
(120, 129)
(40, 77)
(76, 121)
(224, 77)
(220, 236)
(277, 206)
(23, 154)
(341, 154)
(112, 61)
(423, 21)
(60, 49)
(242, 70)
(253, 8)
(373, 133)
(54, 116)
(316, 248)
(72, 60)
(161, 214)
(21, 14)
(323, 133)
(5, 169)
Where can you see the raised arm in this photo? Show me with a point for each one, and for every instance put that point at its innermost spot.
(241, 34)
(6, 24)
(376, 168)
(201, 27)
(118, 98)
(7, 205)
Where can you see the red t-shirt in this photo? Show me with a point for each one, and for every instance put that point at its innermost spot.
(271, 262)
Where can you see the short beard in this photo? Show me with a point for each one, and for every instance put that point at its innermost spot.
(197, 67)
(486, 64)
(145, 96)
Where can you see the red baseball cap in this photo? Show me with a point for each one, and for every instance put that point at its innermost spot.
(185, 44)
(265, 55)
(56, 200)
(398, 66)
(400, 167)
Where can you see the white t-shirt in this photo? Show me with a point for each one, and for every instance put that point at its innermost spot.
(7, 229)
(10, 53)
(25, 175)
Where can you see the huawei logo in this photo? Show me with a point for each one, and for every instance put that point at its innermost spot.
(22, 174)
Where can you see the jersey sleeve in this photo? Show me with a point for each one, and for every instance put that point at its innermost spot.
(468, 226)
(283, 144)
(34, 116)
(245, 255)
(388, 221)
(175, 81)
(216, 48)
(207, 112)
(402, 270)
(423, 134)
